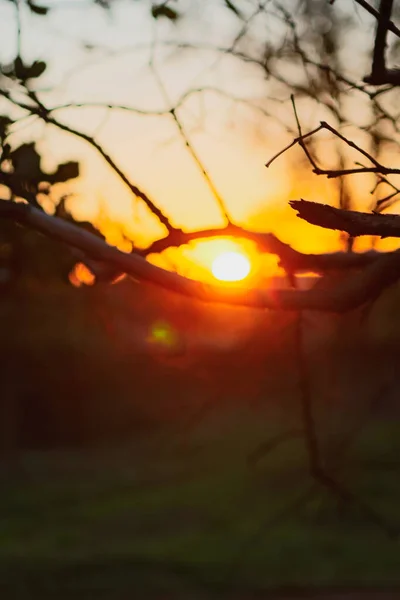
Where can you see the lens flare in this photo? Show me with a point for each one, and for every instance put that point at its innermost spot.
(165, 340)
(231, 266)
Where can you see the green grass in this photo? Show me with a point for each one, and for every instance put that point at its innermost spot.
(189, 516)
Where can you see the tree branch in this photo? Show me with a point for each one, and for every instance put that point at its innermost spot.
(352, 222)
(46, 116)
(375, 13)
(380, 74)
(376, 167)
(289, 258)
(355, 290)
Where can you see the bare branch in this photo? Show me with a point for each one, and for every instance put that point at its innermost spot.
(42, 112)
(185, 137)
(380, 74)
(352, 222)
(315, 459)
(290, 259)
(296, 140)
(333, 173)
(375, 13)
(355, 290)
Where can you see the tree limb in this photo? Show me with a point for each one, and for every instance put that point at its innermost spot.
(380, 74)
(375, 13)
(289, 258)
(45, 114)
(355, 290)
(352, 222)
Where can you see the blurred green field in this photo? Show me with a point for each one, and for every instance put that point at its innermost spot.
(130, 475)
(182, 514)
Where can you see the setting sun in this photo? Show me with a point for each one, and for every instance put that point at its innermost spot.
(231, 266)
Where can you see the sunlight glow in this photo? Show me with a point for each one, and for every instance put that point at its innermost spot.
(81, 275)
(231, 266)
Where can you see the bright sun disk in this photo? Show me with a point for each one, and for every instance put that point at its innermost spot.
(231, 266)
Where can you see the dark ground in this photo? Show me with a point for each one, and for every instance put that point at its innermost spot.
(128, 472)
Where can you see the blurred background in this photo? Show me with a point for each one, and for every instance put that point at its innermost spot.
(152, 444)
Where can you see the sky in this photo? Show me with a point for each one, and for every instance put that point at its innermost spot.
(233, 140)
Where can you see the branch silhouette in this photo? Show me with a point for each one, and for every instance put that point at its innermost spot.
(355, 290)
(352, 222)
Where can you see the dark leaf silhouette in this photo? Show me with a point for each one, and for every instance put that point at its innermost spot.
(64, 172)
(162, 10)
(5, 151)
(37, 68)
(38, 10)
(22, 71)
(26, 163)
(5, 122)
(28, 178)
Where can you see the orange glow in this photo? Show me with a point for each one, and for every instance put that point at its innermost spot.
(81, 275)
(196, 260)
(231, 266)
(200, 257)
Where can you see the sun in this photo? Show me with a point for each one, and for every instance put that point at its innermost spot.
(231, 266)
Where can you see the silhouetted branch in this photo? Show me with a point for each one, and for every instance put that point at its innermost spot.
(352, 222)
(297, 140)
(380, 74)
(290, 259)
(46, 116)
(317, 468)
(332, 173)
(375, 13)
(355, 289)
(196, 158)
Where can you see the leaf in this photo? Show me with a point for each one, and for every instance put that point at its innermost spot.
(6, 151)
(38, 10)
(162, 10)
(233, 8)
(20, 69)
(36, 69)
(5, 122)
(65, 171)
(26, 161)
(24, 72)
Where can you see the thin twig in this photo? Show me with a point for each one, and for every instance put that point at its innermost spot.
(375, 13)
(42, 112)
(181, 129)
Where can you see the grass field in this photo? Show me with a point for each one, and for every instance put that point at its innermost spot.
(178, 512)
(183, 515)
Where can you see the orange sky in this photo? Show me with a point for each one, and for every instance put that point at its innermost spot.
(233, 141)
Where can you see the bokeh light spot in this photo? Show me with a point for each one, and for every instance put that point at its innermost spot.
(81, 275)
(165, 339)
